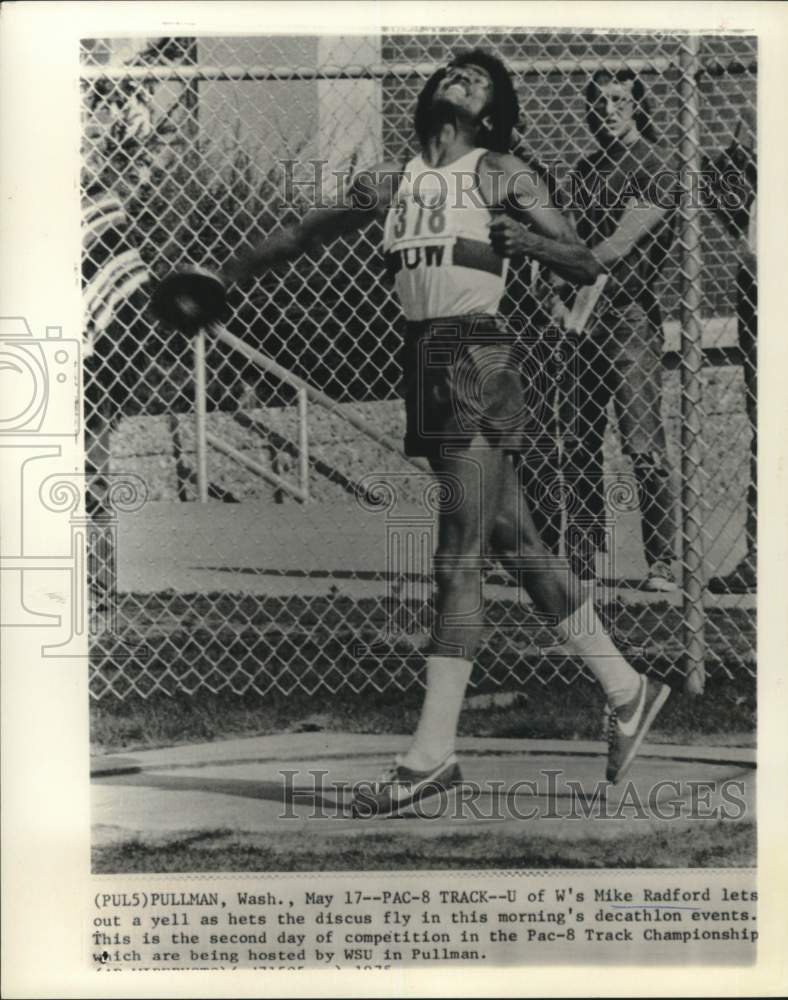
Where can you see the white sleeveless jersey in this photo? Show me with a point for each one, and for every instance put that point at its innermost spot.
(437, 242)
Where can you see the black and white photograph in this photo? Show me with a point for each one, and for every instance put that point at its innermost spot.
(414, 537)
(433, 504)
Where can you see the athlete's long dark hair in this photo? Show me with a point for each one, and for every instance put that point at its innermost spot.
(643, 107)
(504, 109)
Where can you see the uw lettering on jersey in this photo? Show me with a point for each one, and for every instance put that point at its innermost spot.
(437, 242)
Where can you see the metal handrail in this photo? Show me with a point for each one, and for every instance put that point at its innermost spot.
(305, 392)
(205, 438)
(316, 395)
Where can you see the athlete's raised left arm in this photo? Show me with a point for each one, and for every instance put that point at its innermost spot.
(544, 234)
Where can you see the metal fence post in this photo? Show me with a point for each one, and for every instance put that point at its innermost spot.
(303, 441)
(201, 414)
(691, 363)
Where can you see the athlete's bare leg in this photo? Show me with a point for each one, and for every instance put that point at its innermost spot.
(546, 576)
(491, 512)
(557, 592)
(493, 520)
(464, 532)
(471, 483)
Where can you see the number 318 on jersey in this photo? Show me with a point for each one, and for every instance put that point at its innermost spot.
(415, 217)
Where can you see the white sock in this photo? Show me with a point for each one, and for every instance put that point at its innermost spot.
(447, 678)
(582, 634)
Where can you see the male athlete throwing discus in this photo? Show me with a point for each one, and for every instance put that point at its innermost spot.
(452, 218)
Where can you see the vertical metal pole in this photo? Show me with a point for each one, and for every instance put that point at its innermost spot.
(201, 414)
(691, 363)
(303, 442)
(101, 538)
(82, 546)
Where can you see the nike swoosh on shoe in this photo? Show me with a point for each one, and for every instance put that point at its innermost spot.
(630, 728)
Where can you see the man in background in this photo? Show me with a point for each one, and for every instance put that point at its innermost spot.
(622, 198)
(735, 171)
(527, 303)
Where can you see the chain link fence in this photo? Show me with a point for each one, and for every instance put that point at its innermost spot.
(644, 451)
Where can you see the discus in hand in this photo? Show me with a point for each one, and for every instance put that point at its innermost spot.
(189, 299)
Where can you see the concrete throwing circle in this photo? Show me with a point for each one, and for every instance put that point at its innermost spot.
(291, 782)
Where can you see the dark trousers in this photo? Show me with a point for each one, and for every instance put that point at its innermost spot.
(619, 360)
(539, 464)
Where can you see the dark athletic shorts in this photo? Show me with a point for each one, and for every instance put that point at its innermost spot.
(465, 378)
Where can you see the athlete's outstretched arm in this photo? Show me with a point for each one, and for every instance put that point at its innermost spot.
(369, 197)
(544, 234)
(320, 225)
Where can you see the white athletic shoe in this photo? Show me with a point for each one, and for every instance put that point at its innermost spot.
(629, 725)
(401, 788)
